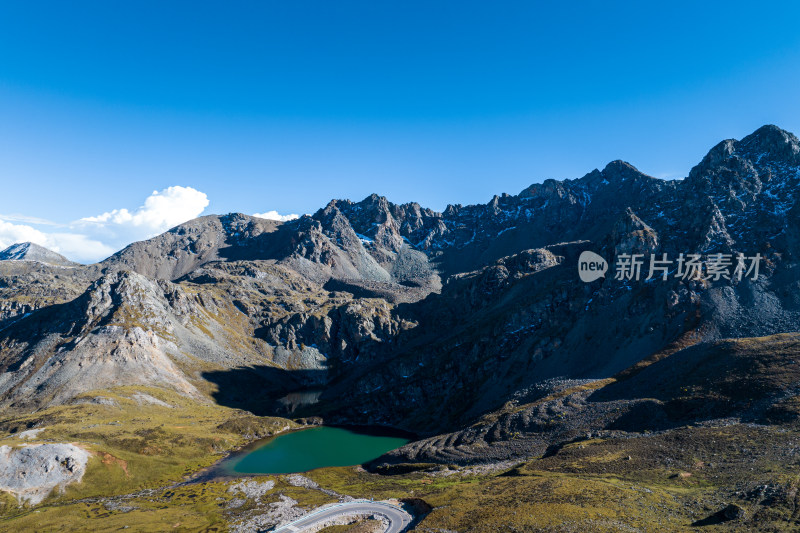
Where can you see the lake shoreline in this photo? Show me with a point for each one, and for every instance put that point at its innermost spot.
(221, 471)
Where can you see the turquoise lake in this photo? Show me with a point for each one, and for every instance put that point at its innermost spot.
(300, 451)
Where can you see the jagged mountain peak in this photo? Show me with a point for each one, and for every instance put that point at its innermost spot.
(767, 145)
(764, 164)
(547, 188)
(619, 169)
(719, 153)
(335, 204)
(375, 198)
(615, 172)
(771, 141)
(375, 205)
(772, 133)
(28, 251)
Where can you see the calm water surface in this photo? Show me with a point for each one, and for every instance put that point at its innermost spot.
(300, 451)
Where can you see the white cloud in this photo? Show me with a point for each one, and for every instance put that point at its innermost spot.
(13, 233)
(161, 211)
(274, 215)
(27, 220)
(80, 248)
(72, 245)
(94, 238)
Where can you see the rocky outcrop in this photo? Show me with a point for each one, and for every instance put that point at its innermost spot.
(31, 472)
(632, 236)
(26, 286)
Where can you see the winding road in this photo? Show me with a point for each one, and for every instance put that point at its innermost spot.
(398, 518)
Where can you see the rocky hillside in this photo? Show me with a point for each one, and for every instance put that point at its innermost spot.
(374, 312)
(752, 380)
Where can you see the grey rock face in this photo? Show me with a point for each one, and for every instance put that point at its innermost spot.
(87, 350)
(31, 472)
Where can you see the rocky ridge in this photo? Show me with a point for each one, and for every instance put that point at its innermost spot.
(400, 315)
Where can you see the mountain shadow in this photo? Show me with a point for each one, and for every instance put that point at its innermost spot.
(750, 378)
(259, 389)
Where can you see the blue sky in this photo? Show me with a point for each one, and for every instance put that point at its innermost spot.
(282, 106)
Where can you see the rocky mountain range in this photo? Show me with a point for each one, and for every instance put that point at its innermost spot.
(469, 327)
